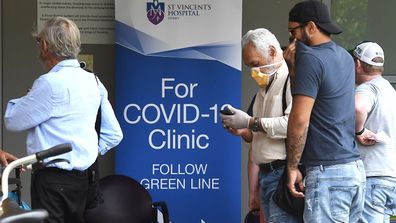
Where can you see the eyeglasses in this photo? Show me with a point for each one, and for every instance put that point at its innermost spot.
(291, 30)
(38, 40)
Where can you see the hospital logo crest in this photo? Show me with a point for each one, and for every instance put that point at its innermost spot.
(155, 11)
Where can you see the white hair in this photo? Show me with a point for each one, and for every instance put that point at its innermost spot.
(262, 39)
(62, 36)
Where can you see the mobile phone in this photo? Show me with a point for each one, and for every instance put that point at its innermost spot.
(226, 111)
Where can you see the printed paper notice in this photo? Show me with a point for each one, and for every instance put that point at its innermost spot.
(95, 18)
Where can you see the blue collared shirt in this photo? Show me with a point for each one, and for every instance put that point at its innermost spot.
(61, 107)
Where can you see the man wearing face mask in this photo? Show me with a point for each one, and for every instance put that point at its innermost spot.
(321, 126)
(266, 130)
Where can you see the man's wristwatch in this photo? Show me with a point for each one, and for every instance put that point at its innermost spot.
(360, 132)
(255, 127)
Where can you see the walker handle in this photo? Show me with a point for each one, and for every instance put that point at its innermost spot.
(54, 151)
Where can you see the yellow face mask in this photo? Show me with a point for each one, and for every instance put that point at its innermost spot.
(263, 79)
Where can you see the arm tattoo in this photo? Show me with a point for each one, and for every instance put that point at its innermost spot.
(295, 148)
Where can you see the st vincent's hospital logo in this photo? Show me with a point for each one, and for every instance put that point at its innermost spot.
(155, 11)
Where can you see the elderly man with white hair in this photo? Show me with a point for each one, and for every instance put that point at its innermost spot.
(62, 107)
(266, 130)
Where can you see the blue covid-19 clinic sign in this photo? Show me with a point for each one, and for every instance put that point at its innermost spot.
(172, 78)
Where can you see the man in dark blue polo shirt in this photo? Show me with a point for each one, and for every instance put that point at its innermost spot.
(322, 120)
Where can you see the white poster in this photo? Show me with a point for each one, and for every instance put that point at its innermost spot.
(95, 18)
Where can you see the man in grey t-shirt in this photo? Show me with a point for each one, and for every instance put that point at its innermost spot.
(375, 121)
(320, 131)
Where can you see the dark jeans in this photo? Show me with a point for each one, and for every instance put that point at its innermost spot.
(62, 193)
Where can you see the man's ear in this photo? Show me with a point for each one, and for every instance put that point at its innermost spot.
(44, 45)
(272, 52)
(358, 63)
(312, 27)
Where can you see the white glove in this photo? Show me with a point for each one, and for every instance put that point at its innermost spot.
(239, 120)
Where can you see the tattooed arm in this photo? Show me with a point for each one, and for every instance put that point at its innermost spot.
(296, 136)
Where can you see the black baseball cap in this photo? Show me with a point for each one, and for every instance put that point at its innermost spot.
(314, 11)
